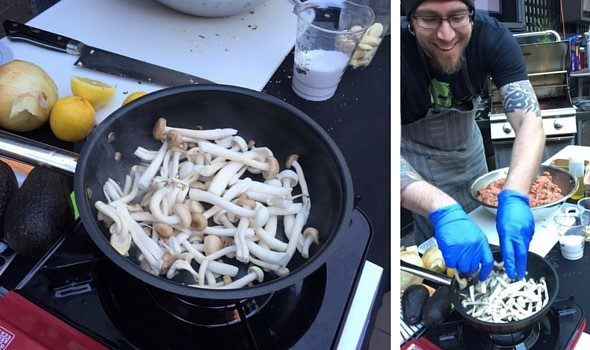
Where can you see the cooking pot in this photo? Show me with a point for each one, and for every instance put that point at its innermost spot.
(537, 267)
(108, 153)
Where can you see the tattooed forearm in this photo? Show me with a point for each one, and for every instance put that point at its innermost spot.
(520, 96)
(407, 174)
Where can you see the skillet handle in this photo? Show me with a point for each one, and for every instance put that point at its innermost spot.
(425, 273)
(37, 153)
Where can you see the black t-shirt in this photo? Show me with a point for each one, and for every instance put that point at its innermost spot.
(491, 51)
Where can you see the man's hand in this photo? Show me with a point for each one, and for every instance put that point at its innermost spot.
(463, 244)
(515, 225)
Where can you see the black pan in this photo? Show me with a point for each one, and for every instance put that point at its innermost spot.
(108, 152)
(536, 267)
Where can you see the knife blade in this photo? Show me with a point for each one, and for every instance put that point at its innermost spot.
(100, 60)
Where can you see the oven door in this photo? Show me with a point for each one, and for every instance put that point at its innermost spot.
(553, 144)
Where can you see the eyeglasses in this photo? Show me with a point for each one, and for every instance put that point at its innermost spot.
(458, 20)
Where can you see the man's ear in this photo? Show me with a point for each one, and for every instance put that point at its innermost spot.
(410, 29)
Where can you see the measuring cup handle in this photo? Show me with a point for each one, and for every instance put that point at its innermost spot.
(567, 208)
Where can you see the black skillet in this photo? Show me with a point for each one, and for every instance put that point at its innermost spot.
(108, 152)
(536, 267)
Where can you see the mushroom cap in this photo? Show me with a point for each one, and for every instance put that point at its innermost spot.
(199, 220)
(292, 158)
(184, 213)
(313, 233)
(163, 230)
(282, 271)
(258, 271)
(159, 129)
(290, 176)
(211, 244)
(174, 139)
(274, 168)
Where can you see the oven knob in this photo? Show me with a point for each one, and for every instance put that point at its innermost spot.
(506, 128)
(557, 125)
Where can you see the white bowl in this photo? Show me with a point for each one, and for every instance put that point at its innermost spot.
(212, 8)
(564, 180)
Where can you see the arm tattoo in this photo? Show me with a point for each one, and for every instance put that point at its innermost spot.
(520, 96)
(407, 174)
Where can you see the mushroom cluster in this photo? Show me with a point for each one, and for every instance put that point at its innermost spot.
(497, 300)
(191, 205)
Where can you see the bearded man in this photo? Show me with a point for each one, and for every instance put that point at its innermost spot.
(447, 52)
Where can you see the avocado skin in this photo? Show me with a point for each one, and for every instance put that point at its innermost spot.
(8, 186)
(413, 300)
(437, 307)
(38, 213)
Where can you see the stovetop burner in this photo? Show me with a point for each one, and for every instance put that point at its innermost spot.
(524, 339)
(78, 284)
(189, 310)
(559, 329)
(277, 320)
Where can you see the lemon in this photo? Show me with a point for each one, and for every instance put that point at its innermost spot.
(133, 96)
(72, 118)
(96, 92)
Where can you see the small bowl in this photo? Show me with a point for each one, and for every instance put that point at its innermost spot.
(564, 180)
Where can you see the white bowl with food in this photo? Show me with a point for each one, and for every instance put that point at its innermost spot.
(551, 188)
(208, 8)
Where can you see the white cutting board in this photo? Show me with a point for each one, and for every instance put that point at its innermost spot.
(242, 50)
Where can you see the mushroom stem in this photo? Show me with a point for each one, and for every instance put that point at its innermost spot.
(254, 273)
(219, 151)
(149, 173)
(209, 258)
(160, 130)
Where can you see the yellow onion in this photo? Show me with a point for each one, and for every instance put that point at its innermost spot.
(406, 278)
(433, 260)
(27, 94)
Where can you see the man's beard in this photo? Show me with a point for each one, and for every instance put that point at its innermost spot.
(447, 65)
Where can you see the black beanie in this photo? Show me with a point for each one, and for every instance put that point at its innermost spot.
(410, 5)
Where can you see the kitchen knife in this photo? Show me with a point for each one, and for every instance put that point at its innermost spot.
(100, 60)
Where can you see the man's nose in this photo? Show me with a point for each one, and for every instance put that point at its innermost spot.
(445, 32)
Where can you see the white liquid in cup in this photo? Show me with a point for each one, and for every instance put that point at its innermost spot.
(572, 247)
(316, 73)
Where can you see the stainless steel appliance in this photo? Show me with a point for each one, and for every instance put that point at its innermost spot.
(547, 66)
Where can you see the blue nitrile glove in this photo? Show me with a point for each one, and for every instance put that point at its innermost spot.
(515, 225)
(463, 244)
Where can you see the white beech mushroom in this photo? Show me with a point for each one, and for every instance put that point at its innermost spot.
(160, 130)
(173, 181)
(254, 273)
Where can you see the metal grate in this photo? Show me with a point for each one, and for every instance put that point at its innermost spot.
(544, 104)
(542, 15)
(408, 331)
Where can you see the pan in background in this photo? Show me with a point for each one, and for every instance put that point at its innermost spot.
(564, 180)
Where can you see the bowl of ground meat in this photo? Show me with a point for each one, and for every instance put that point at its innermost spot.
(550, 189)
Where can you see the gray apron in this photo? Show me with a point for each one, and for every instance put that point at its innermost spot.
(446, 149)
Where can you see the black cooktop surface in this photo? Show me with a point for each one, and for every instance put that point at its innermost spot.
(80, 286)
(559, 329)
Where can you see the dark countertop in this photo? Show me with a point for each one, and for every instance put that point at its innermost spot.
(573, 278)
(358, 119)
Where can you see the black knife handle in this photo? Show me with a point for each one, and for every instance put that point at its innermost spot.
(19, 31)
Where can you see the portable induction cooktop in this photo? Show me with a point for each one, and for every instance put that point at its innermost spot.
(559, 329)
(79, 285)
